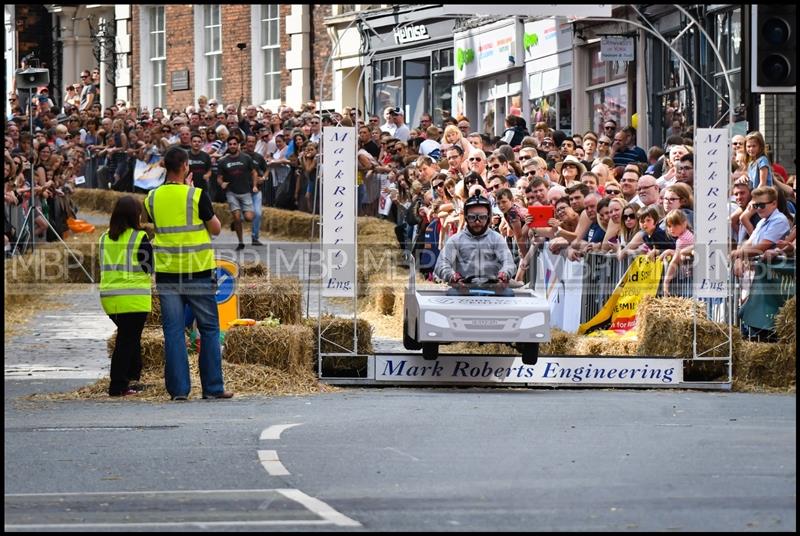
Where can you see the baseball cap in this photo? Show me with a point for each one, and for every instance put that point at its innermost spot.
(396, 111)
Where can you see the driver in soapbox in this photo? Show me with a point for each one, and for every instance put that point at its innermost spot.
(476, 252)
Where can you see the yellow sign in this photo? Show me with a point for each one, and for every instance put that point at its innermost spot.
(641, 279)
(227, 300)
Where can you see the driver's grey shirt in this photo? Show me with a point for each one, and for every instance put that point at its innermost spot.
(483, 256)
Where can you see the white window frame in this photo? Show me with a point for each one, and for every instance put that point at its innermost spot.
(201, 55)
(160, 59)
(146, 74)
(258, 57)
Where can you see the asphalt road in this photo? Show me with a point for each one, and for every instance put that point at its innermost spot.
(435, 459)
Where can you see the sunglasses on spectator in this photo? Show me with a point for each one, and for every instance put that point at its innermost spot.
(495, 166)
(629, 216)
(546, 143)
(525, 157)
(759, 206)
(476, 159)
(672, 199)
(472, 218)
(613, 192)
(602, 143)
(531, 173)
(608, 127)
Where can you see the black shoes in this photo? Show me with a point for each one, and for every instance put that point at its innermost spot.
(256, 242)
(240, 247)
(180, 397)
(223, 394)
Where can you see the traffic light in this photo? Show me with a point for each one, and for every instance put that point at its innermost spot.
(773, 65)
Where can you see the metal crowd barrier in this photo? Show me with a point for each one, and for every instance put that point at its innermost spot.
(776, 279)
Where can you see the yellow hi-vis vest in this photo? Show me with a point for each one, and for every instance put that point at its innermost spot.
(182, 244)
(124, 286)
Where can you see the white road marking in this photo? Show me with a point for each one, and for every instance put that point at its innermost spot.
(269, 459)
(197, 524)
(398, 451)
(320, 508)
(274, 431)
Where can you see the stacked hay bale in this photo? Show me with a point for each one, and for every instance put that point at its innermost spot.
(279, 297)
(288, 348)
(762, 365)
(337, 335)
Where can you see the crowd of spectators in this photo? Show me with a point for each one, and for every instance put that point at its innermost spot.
(608, 194)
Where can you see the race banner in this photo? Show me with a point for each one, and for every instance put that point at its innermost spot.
(339, 211)
(640, 280)
(549, 370)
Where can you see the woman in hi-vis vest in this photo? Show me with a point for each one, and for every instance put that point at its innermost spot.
(125, 291)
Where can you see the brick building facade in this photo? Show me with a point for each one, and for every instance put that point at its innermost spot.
(303, 48)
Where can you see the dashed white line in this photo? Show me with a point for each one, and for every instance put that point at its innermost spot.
(274, 431)
(269, 459)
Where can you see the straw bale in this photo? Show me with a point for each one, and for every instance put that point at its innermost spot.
(338, 333)
(674, 337)
(99, 200)
(253, 269)
(761, 364)
(280, 297)
(603, 346)
(288, 348)
(154, 318)
(51, 263)
(665, 328)
(491, 348)
(561, 343)
(786, 323)
(152, 349)
(387, 294)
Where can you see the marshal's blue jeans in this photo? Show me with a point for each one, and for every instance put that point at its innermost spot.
(199, 293)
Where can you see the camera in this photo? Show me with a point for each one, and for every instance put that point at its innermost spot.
(241, 46)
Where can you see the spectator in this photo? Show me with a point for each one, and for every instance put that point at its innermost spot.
(625, 148)
(772, 227)
(88, 91)
(401, 131)
(678, 228)
(647, 192)
(679, 197)
(758, 166)
(651, 235)
(744, 218)
(262, 170)
(238, 178)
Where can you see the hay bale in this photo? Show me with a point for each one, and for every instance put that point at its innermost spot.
(154, 318)
(785, 322)
(492, 348)
(386, 295)
(338, 333)
(597, 346)
(665, 328)
(253, 269)
(152, 349)
(561, 343)
(288, 348)
(760, 364)
(99, 200)
(280, 297)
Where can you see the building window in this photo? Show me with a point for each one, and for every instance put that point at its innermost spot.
(387, 87)
(607, 91)
(270, 49)
(212, 50)
(441, 83)
(158, 56)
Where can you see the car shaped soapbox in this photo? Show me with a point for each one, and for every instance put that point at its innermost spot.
(432, 315)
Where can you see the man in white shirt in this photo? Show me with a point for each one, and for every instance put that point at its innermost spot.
(402, 132)
(431, 147)
(389, 125)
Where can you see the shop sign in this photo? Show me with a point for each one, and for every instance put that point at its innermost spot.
(489, 52)
(411, 34)
(546, 37)
(712, 159)
(616, 48)
(180, 80)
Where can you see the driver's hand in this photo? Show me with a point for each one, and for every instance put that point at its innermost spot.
(456, 279)
(502, 280)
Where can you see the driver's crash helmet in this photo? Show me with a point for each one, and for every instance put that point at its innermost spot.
(477, 201)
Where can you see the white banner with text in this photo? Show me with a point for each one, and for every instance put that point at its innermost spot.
(550, 370)
(338, 203)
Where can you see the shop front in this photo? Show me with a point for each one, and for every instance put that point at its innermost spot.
(548, 72)
(489, 75)
(412, 63)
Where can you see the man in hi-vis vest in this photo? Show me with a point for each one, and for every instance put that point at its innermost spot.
(185, 273)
